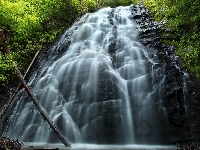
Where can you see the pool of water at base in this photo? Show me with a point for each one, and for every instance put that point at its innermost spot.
(29, 146)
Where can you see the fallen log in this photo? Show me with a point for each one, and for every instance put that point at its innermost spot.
(39, 107)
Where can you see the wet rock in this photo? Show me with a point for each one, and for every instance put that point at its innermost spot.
(182, 94)
(8, 144)
(137, 17)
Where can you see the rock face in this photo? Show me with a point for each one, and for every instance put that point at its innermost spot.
(101, 85)
(182, 99)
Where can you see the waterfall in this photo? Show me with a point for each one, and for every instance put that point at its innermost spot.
(99, 85)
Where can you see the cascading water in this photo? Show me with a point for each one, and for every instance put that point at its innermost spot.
(98, 86)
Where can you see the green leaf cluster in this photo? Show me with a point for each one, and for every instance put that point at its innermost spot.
(115, 3)
(20, 16)
(6, 68)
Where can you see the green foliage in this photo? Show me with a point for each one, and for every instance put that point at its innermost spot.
(115, 3)
(89, 5)
(6, 69)
(20, 16)
(26, 24)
